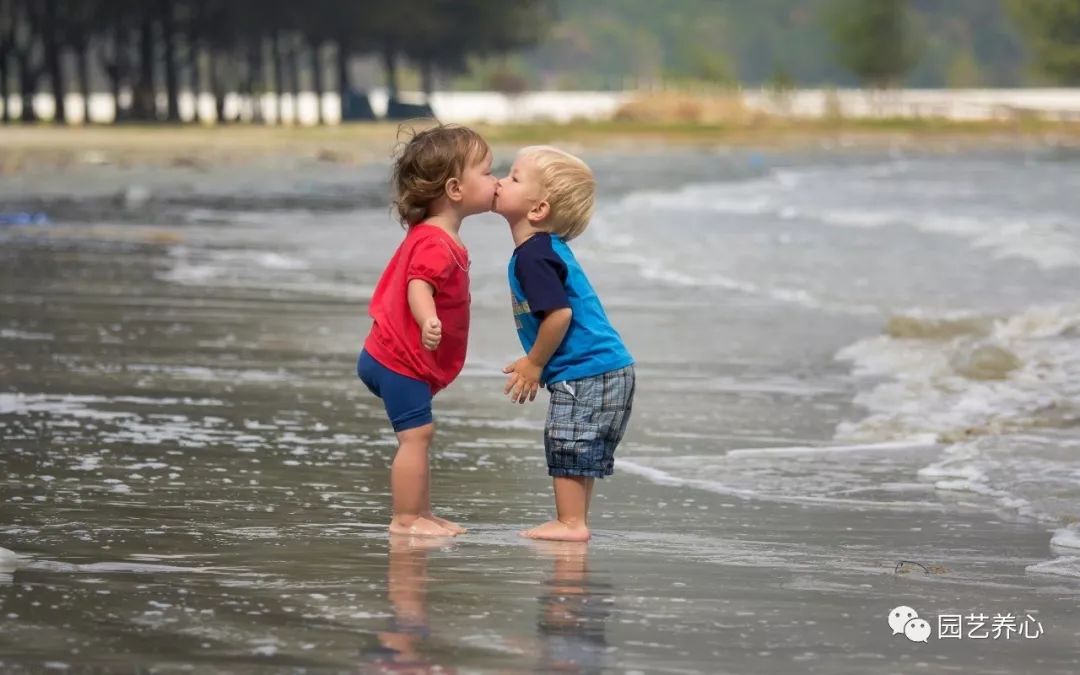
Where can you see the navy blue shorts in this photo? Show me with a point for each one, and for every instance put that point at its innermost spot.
(586, 421)
(407, 401)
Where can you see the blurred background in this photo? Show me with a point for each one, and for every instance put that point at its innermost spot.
(321, 61)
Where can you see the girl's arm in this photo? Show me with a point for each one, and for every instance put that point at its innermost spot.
(422, 301)
(422, 306)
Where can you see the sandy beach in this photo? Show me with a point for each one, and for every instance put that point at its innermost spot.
(193, 478)
(36, 147)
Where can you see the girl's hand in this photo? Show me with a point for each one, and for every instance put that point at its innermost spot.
(431, 334)
(524, 380)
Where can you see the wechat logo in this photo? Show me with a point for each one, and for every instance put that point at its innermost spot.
(905, 620)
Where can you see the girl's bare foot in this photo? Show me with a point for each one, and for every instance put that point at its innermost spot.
(556, 530)
(450, 525)
(420, 527)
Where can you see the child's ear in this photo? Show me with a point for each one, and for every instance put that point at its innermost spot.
(540, 211)
(453, 189)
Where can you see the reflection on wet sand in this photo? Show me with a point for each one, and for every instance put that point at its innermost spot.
(401, 644)
(574, 608)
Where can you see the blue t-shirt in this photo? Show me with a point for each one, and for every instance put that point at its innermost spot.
(544, 276)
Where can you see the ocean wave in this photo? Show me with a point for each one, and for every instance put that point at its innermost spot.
(622, 250)
(1002, 394)
(964, 376)
(1047, 238)
(780, 475)
(259, 270)
(1061, 567)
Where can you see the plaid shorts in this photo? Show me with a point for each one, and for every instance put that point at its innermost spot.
(586, 420)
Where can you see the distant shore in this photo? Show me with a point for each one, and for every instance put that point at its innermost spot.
(26, 148)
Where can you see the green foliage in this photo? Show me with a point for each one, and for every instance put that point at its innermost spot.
(964, 72)
(874, 39)
(1054, 29)
(606, 43)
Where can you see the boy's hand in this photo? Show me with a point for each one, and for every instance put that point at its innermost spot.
(431, 333)
(524, 380)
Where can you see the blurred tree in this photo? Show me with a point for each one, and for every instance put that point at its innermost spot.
(193, 20)
(167, 20)
(441, 35)
(7, 37)
(482, 29)
(318, 34)
(964, 71)
(231, 36)
(79, 25)
(50, 26)
(144, 89)
(1053, 27)
(26, 51)
(115, 27)
(874, 39)
(351, 31)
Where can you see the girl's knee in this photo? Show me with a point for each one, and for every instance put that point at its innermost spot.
(421, 435)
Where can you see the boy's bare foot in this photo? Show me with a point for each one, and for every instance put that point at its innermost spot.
(450, 525)
(420, 527)
(556, 530)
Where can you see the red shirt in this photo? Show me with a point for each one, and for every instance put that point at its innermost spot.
(431, 254)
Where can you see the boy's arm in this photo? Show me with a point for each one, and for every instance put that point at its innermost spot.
(422, 306)
(524, 380)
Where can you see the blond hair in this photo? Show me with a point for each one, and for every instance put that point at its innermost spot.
(569, 188)
(425, 161)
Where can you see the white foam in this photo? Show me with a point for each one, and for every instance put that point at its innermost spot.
(9, 561)
(21, 403)
(661, 477)
(257, 270)
(255, 532)
(919, 442)
(656, 269)
(11, 334)
(1063, 567)
(155, 557)
(930, 392)
(214, 374)
(218, 277)
(1068, 538)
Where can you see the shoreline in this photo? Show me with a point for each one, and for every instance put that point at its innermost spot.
(39, 147)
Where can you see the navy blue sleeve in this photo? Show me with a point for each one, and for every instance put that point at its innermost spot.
(542, 273)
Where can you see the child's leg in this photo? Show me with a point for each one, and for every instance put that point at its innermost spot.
(586, 420)
(408, 404)
(450, 525)
(409, 484)
(589, 483)
(571, 511)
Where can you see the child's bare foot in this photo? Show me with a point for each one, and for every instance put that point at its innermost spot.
(419, 527)
(450, 525)
(556, 530)
(404, 543)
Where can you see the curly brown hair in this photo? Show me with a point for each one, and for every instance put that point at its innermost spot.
(424, 161)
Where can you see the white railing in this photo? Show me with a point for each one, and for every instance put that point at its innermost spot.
(566, 106)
